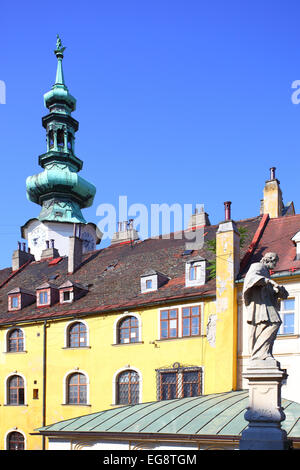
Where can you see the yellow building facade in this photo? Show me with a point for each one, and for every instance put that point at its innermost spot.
(84, 330)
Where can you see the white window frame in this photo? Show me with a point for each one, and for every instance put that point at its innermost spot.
(15, 430)
(6, 339)
(179, 332)
(115, 383)
(116, 326)
(66, 334)
(292, 295)
(200, 266)
(66, 384)
(6, 388)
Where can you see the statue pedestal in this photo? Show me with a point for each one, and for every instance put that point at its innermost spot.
(264, 412)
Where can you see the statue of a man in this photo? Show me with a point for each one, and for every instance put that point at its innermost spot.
(261, 296)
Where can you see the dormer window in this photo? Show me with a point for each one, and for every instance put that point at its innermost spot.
(15, 301)
(152, 280)
(296, 240)
(70, 291)
(46, 295)
(195, 272)
(19, 298)
(67, 296)
(43, 298)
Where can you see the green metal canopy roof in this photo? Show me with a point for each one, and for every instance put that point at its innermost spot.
(219, 414)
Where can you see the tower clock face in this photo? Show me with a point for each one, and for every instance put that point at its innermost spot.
(38, 237)
(88, 241)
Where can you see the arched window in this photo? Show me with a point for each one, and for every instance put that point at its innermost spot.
(15, 441)
(77, 335)
(128, 330)
(128, 388)
(60, 138)
(70, 139)
(77, 389)
(16, 391)
(51, 139)
(15, 341)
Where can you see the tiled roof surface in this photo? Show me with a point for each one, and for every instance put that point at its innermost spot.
(113, 276)
(276, 237)
(219, 414)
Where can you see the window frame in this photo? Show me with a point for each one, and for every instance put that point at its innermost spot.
(285, 312)
(18, 338)
(180, 318)
(130, 385)
(21, 399)
(41, 292)
(190, 317)
(115, 383)
(116, 328)
(76, 385)
(180, 383)
(80, 335)
(199, 266)
(7, 436)
(168, 320)
(68, 327)
(129, 328)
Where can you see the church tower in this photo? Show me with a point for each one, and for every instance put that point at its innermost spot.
(58, 189)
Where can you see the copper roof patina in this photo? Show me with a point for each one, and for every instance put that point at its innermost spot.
(220, 414)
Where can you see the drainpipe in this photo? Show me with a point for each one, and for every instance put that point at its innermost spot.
(44, 380)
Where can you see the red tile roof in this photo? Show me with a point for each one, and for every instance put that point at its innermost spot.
(113, 277)
(276, 237)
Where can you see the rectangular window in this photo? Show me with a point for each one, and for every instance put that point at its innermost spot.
(179, 383)
(43, 298)
(191, 382)
(287, 313)
(149, 284)
(193, 272)
(168, 385)
(66, 296)
(191, 321)
(15, 302)
(169, 323)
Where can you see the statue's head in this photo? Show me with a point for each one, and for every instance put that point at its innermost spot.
(270, 260)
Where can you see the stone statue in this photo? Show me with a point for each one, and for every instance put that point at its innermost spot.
(261, 296)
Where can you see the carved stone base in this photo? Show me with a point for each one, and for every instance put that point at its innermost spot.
(264, 413)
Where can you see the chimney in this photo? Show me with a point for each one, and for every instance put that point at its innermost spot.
(126, 233)
(75, 250)
(227, 206)
(49, 251)
(20, 257)
(227, 268)
(272, 173)
(272, 203)
(198, 219)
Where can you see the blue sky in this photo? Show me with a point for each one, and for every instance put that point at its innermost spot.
(182, 101)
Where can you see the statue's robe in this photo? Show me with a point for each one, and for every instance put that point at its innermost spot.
(262, 306)
(260, 298)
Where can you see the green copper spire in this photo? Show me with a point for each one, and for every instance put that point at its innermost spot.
(58, 189)
(59, 52)
(58, 98)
